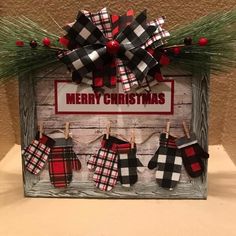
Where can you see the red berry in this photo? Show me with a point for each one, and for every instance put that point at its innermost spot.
(164, 60)
(63, 41)
(113, 47)
(19, 43)
(176, 50)
(46, 42)
(202, 41)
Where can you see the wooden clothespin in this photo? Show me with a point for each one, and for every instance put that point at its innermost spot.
(168, 127)
(40, 127)
(186, 130)
(132, 141)
(108, 129)
(67, 130)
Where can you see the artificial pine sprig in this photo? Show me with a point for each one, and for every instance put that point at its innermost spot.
(219, 54)
(18, 59)
(206, 43)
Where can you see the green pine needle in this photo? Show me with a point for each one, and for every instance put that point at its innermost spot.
(15, 60)
(219, 54)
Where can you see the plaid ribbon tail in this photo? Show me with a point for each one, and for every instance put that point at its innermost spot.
(157, 39)
(140, 62)
(84, 31)
(105, 76)
(137, 33)
(120, 22)
(102, 21)
(126, 76)
(86, 59)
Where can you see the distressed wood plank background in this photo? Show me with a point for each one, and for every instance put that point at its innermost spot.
(86, 130)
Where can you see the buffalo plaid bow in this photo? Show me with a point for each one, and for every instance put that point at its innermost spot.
(93, 35)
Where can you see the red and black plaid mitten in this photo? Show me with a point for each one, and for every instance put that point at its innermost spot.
(192, 154)
(62, 162)
(168, 162)
(36, 154)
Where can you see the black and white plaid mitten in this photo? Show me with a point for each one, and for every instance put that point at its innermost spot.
(168, 162)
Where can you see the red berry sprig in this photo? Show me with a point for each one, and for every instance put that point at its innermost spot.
(202, 41)
(19, 43)
(46, 42)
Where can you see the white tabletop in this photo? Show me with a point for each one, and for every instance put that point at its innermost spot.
(74, 217)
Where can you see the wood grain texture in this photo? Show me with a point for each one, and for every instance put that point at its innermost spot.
(200, 109)
(87, 130)
(28, 122)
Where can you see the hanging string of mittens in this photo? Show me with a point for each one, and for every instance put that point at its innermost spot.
(116, 160)
(101, 48)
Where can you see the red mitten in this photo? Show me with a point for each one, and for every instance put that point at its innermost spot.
(62, 162)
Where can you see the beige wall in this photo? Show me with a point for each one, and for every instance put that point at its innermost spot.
(222, 99)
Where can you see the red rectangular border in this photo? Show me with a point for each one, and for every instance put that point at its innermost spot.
(113, 113)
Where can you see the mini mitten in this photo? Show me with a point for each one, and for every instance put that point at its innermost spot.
(115, 160)
(128, 165)
(168, 162)
(62, 162)
(36, 154)
(106, 170)
(192, 154)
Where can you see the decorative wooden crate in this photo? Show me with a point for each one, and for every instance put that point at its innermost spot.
(37, 103)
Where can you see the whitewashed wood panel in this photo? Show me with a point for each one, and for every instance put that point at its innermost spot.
(88, 129)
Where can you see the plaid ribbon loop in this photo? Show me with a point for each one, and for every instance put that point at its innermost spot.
(92, 31)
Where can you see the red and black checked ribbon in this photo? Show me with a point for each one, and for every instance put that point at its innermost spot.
(120, 22)
(94, 54)
(192, 154)
(105, 75)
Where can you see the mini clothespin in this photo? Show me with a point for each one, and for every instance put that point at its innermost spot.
(67, 129)
(40, 127)
(132, 141)
(167, 129)
(108, 129)
(186, 130)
